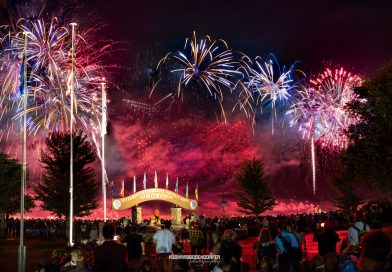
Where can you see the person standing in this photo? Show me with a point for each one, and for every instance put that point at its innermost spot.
(164, 240)
(100, 233)
(290, 255)
(135, 247)
(230, 251)
(265, 222)
(357, 230)
(327, 239)
(94, 233)
(110, 256)
(301, 231)
(376, 216)
(197, 238)
(265, 250)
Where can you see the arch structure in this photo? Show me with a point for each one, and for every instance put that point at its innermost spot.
(153, 194)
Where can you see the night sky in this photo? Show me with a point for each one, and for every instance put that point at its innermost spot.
(356, 34)
(187, 141)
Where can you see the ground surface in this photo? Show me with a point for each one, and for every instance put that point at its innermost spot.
(39, 251)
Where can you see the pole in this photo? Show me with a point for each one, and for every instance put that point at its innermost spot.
(103, 132)
(73, 25)
(22, 248)
(313, 166)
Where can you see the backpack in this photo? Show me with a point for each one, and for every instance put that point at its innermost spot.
(294, 253)
(360, 232)
(267, 249)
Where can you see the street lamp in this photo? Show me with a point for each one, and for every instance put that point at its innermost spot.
(223, 203)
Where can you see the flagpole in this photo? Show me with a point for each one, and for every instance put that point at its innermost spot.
(134, 184)
(73, 25)
(22, 248)
(313, 166)
(103, 132)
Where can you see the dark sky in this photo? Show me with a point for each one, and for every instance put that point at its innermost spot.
(354, 33)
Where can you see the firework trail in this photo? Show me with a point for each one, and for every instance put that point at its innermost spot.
(321, 111)
(93, 137)
(266, 86)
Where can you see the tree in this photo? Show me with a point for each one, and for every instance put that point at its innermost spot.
(368, 161)
(348, 202)
(256, 196)
(53, 190)
(10, 179)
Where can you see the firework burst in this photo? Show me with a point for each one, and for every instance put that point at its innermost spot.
(266, 86)
(49, 78)
(210, 63)
(321, 108)
(203, 64)
(321, 111)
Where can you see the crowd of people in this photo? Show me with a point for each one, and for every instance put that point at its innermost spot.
(283, 247)
(56, 228)
(120, 245)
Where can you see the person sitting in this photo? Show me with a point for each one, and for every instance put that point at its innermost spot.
(110, 256)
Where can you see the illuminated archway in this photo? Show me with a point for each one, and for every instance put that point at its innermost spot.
(153, 194)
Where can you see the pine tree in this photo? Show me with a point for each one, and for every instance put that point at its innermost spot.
(348, 202)
(53, 190)
(256, 196)
(10, 178)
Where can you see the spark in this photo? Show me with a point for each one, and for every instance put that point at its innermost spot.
(48, 63)
(267, 85)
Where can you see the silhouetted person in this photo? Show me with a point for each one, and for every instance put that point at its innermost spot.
(376, 252)
(230, 251)
(135, 247)
(327, 239)
(135, 243)
(110, 256)
(197, 238)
